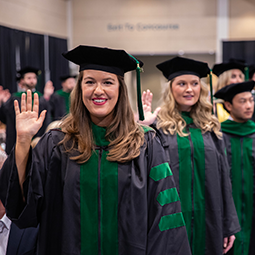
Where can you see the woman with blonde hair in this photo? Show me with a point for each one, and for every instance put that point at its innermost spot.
(100, 184)
(191, 137)
(228, 73)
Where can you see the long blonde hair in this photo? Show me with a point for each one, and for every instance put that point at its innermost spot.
(224, 79)
(171, 121)
(125, 136)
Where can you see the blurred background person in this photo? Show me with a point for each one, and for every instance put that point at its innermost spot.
(28, 80)
(60, 100)
(228, 73)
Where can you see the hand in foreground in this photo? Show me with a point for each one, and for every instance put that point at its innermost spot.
(27, 121)
(228, 243)
(149, 117)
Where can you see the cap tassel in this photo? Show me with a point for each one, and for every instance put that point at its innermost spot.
(138, 87)
(211, 89)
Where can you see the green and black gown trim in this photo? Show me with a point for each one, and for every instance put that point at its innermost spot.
(59, 104)
(98, 207)
(201, 173)
(7, 116)
(239, 139)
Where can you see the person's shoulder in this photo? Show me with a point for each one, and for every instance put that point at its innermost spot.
(56, 135)
(147, 129)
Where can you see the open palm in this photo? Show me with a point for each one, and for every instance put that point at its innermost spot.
(149, 116)
(27, 121)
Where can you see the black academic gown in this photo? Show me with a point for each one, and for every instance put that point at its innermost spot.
(59, 104)
(98, 207)
(239, 139)
(201, 174)
(7, 116)
(22, 241)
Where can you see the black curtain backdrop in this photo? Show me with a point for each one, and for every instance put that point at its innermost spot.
(58, 64)
(243, 50)
(32, 53)
(7, 59)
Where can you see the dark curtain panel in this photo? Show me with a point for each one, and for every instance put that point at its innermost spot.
(19, 49)
(57, 63)
(7, 59)
(244, 50)
(32, 53)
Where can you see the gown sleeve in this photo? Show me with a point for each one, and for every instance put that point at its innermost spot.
(230, 219)
(167, 232)
(26, 213)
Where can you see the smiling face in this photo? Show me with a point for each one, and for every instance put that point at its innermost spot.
(100, 93)
(186, 91)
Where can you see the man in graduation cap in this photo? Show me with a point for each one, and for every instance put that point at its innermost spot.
(60, 100)
(27, 78)
(239, 136)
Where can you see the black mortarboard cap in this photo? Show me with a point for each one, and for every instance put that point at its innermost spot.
(27, 69)
(179, 66)
(228, 92)
(218, 69)
(67, 76)
(103, 59)
(108, 60)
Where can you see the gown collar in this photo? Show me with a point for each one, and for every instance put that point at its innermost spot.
(99, 135)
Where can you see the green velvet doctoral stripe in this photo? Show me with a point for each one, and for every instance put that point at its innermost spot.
(168, 196)
(171, 221)
(99, 200)
(160, 172)
(147, 129)
(199, 233)
(18, 94)
(242, 182)
(89, 206)
(109, 206)
(185, 180)
(66, 97)
(236, 128)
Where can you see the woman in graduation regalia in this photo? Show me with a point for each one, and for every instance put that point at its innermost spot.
(228, 73)
(100, 184)
(194, 148)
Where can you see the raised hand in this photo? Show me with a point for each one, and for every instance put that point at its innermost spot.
(27, 121)
(149, 117)
(4, 95)
(48, 90)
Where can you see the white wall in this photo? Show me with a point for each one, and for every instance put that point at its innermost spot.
(189, 25)
(38, 16)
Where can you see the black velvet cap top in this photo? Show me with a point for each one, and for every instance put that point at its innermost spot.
(65, 77)
(228, 92)
(218, 69)
(27, 69)
(103, 59)
(179, 66)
